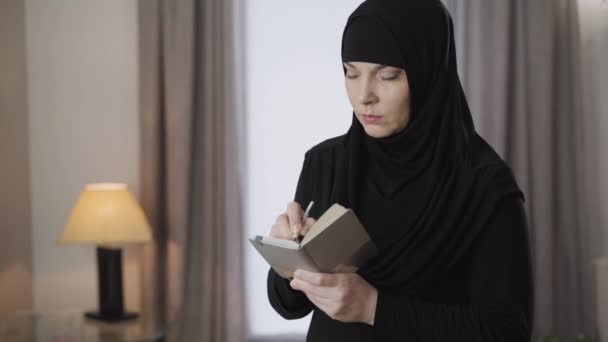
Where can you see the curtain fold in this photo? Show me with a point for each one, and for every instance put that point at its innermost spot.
(191, 166)
(520, 65)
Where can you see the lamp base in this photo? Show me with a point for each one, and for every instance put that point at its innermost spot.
(111, 308)
(110, 317)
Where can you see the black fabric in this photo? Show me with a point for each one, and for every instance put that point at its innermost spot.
(368, 40)
(440, 200)
(425, 194)
(487, 295)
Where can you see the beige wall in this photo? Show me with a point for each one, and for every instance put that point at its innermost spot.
(15, 227)
(82, 88)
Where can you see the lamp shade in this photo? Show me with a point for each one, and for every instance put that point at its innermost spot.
(106, 213)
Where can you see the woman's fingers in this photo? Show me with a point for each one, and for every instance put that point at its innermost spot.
(295, 213)
(322, 303)
(289, 225)
(280, 229)
(309, 222)
(311, 289)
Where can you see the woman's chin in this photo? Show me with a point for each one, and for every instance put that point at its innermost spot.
(376, 131)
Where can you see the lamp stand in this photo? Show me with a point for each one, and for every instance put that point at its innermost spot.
(111, 305)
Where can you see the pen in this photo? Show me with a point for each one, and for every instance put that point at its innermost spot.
(306, 213)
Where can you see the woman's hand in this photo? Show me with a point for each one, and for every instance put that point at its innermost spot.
(345, 297)
(289, 224)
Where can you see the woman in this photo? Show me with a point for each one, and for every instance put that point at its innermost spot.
(441, 206)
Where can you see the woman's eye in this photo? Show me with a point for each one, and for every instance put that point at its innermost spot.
(387, 78)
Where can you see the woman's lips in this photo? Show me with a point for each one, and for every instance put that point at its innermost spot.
(371, 119)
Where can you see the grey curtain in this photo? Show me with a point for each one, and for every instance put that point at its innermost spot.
(519, 61)
(191, 166)
(16, 269)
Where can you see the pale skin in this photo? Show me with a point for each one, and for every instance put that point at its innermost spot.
(381, 91)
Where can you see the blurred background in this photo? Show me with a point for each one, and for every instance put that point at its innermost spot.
(204, 109)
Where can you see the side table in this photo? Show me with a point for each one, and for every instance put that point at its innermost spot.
(74, 327)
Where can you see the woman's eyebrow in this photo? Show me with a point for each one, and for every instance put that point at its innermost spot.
(378, 67)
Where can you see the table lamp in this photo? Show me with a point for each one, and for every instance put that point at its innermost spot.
(107, 215)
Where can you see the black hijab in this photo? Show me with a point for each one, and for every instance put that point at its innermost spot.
(426, 192)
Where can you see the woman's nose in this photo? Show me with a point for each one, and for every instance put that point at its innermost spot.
(367, 94)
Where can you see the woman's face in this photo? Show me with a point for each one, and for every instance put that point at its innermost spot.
(380, 96)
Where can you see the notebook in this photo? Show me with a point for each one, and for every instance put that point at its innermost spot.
(335, 243)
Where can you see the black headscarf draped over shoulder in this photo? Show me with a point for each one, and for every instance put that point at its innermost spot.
(426, 192)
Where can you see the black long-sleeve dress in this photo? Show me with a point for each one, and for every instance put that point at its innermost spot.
(488, 297)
